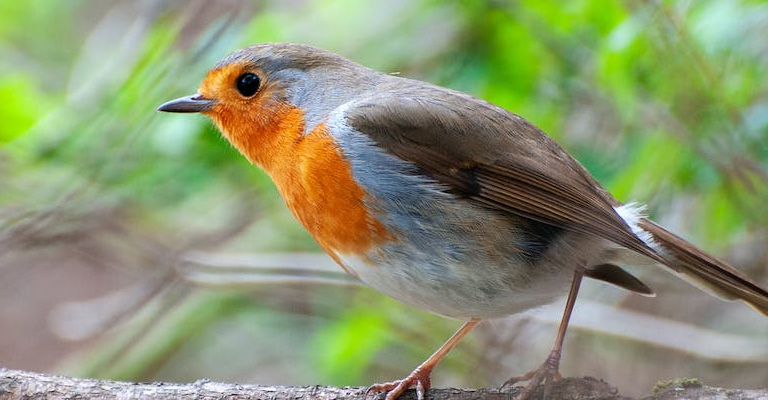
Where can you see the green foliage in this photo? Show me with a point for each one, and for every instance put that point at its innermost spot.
(344, 349)
(22, 106)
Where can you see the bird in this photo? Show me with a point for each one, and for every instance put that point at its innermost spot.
(436, 198)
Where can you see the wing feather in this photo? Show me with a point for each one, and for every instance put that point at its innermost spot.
(493, 157)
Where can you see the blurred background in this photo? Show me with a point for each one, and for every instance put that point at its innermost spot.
(140, 246)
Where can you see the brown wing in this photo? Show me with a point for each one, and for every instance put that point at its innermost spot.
(497, 158)
(493, 157)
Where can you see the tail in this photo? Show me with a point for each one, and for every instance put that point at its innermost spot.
(703, 270)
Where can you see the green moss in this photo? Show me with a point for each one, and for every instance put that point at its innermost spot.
(680, 383)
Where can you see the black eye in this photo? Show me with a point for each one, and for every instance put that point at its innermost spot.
(247, 84)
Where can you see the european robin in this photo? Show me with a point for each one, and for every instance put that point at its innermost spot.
(436, 198)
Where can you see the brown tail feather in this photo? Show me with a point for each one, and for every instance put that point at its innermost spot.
(701, 269)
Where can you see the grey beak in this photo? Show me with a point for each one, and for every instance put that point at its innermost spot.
(189, 104)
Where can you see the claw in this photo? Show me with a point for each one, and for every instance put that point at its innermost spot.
(418, 378)
(547, 373)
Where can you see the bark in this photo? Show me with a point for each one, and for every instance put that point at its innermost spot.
(17, 385)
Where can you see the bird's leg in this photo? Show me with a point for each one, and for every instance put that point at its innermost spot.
(549, 370)
(420, 376)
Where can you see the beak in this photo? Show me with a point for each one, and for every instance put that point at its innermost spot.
(190, 104)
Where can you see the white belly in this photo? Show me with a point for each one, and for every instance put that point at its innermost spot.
(463, 291)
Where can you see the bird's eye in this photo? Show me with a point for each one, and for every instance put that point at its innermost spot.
(248, 84)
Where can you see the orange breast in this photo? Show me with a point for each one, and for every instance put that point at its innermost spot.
(325, 198)
(312, 175)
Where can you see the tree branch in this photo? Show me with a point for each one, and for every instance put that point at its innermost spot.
(17, 385)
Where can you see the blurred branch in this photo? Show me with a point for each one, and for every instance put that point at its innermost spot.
(22, 385)
(223, 270)
(659, 332)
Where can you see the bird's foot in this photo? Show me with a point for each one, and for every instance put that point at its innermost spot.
(547, 373)
(419, 378)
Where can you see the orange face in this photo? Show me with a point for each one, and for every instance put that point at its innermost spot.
(256, 124)
(310, 171)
